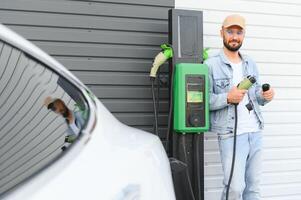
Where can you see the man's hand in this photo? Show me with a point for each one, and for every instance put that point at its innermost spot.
(235, 95)
(47, 101)
(269, 94)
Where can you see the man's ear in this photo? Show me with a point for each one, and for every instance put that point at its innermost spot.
(221, 32)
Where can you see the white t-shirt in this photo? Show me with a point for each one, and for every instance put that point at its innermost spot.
(247, 120)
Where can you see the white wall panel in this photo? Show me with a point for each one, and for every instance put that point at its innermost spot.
(273, 40)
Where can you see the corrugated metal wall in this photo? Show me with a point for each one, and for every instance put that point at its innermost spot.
(273, 39)
(109, 45)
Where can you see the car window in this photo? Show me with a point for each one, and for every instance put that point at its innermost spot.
(41, 116)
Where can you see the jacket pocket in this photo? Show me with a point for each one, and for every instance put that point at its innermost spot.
(222, 85)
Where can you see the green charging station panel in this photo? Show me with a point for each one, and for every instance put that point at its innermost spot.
(191, 98)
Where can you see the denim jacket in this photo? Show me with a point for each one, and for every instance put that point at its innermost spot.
(75, 128)
(222, 114)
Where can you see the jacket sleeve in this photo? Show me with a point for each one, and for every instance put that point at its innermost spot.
(216, 101)
(79, 119)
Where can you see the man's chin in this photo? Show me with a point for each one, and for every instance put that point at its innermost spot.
(233, 48)
(235, 45)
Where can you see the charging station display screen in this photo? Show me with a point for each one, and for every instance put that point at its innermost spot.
(194, 97)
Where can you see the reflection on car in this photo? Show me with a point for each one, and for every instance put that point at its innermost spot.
(31, 136)
(74, 119)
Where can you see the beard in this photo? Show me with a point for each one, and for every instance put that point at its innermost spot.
(231, 48)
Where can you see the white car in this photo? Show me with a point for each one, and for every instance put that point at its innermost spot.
(108, 160)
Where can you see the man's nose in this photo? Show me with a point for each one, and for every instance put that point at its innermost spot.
(235, 36)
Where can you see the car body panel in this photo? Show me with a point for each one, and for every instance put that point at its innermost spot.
(109, 161)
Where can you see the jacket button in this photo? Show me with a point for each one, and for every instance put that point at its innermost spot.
(232, 117)
(231, 131)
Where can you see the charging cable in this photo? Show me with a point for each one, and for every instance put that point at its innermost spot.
(244, 84)
(265, 87)
(159, 60)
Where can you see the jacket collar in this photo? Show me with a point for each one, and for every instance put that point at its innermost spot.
(226, 61)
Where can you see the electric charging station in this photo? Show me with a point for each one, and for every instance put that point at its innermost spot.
(188, 116)
(189, 99)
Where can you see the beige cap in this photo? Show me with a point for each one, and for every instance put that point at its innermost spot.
(234, 20)
(49, 100)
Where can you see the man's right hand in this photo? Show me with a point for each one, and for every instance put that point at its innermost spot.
(235, 95)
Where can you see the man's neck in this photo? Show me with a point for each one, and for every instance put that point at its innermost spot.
(233, 56)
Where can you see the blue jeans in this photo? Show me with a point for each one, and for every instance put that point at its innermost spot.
(247, 170)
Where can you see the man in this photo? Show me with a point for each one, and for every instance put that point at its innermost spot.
(73, 119)
(226, 70)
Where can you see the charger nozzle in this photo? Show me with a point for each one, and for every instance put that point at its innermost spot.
(160, 59)
(246, 83)
(265, 87)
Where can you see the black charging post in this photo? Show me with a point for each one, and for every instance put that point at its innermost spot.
(186, 38)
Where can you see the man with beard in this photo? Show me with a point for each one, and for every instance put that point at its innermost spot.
(226, 70)
(73, 119)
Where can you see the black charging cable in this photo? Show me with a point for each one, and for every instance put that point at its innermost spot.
(155, 107)
(265, 87)
(168, 148)
(234, 152)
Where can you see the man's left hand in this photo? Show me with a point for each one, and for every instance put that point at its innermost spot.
(269, 94)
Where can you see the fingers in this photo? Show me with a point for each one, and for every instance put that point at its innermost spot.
(235, 95)
(243, 91)
(239, 96)
(268, 95)
(47, 101)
